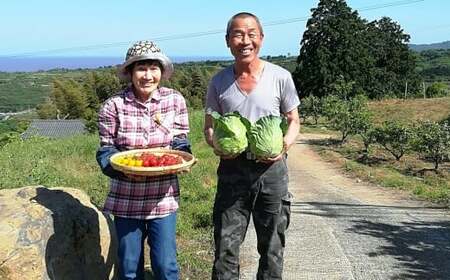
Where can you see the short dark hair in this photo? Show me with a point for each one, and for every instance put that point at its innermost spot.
(243, 15)
(130, 67)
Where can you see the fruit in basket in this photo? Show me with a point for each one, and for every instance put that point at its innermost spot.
(147, 159)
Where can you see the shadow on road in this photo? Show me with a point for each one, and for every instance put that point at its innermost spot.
(417, 237)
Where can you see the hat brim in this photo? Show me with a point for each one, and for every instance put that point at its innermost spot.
(167, 65)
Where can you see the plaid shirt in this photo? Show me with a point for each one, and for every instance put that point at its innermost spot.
(126, 123)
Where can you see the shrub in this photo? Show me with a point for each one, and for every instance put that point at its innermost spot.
(433, 141)
(395, 137)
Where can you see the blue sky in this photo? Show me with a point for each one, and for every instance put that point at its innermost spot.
(41, 25)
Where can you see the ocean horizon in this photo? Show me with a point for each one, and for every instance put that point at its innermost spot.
(34, 64)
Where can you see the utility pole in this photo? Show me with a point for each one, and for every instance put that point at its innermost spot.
(424, 93)
(406, 89)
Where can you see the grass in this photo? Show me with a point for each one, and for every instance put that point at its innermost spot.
(410, 174)
(410, 110)
(71, 163)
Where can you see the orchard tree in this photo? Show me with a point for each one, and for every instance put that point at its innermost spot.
(433, 141)
(395, 137)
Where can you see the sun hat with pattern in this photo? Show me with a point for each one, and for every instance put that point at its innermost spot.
(144, 50)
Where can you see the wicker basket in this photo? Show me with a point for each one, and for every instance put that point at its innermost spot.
(188, 161)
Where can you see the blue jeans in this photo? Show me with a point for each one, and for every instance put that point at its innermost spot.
(160, 234)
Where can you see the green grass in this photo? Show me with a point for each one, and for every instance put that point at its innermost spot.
(410, 110)
(71, 163)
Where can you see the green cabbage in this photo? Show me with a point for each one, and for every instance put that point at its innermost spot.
(265, 137)
(230, 133)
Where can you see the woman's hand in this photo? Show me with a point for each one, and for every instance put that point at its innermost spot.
(136, 178)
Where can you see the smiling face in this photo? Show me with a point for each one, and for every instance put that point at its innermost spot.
(244, 39)
(145, 77)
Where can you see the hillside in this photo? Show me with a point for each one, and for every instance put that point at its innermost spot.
(433, 46)
(411, 110)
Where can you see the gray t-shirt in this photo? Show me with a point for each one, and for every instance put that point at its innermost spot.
(274, 94)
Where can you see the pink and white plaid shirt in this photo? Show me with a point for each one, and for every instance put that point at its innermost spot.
(126, 123)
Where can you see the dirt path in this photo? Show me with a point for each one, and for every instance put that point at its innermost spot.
(345, 229)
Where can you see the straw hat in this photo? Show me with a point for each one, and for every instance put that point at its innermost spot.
(144, 50)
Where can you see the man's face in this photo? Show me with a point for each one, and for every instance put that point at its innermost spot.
(245, 39)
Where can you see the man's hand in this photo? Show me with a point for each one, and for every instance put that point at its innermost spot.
(225, 156)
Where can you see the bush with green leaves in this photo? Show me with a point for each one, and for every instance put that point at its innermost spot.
(348, 117)
(433, 141)
(395, 137)
(437, 89)
(311, 106)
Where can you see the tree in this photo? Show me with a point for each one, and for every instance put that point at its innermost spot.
(347, 116)
(437, 89)
(340, 47)
(333, 47)
(433, 141)
(394, 63)
(311, 106)
(69, 99)
(395, 137)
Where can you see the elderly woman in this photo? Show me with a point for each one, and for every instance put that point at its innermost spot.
(144, 115)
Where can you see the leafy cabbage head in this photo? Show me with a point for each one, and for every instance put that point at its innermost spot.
(265, 137)
(230, 133)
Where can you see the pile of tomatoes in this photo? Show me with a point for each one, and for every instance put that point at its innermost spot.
(149, 160)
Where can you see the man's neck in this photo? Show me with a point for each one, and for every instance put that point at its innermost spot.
(253, 67)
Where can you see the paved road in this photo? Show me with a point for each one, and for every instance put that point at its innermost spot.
(344, 229)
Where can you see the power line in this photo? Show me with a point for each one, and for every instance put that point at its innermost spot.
(194, 34)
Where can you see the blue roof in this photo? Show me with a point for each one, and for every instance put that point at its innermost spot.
(54, 128)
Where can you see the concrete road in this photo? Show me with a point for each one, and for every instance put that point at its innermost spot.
(342, 228)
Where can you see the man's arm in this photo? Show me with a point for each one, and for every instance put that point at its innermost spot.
(293, 121)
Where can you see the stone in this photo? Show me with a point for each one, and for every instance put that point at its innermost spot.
(54, 233)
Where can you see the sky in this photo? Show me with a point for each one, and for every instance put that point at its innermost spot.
(109, 27)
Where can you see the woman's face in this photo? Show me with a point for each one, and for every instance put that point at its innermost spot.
(145, 77)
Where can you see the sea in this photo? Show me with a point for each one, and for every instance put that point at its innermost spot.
(34, 64)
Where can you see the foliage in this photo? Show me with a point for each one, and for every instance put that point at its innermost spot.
(311, 106)
(348, 117)
(395, 137)
(340, 48)
(433, 141)
(437, 89)
(332, 46)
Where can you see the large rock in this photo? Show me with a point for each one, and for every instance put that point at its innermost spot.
(54, 234)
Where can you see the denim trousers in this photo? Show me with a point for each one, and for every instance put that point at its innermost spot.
(161, 238)
(247, 188)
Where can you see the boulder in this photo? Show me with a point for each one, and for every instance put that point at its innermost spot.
(54, 234)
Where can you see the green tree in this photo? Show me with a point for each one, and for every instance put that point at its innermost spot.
(437, 89)
(69, 99)
(347, 116)
(395, 137)
(333, 47)
(311, 106)
(394, 64)
(339, 47)
(433, 141)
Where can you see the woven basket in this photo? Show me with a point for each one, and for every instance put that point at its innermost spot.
(188, 161)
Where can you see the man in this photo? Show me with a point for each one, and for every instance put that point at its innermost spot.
(255, 88)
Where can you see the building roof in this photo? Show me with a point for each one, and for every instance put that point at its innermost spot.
(54, 128)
